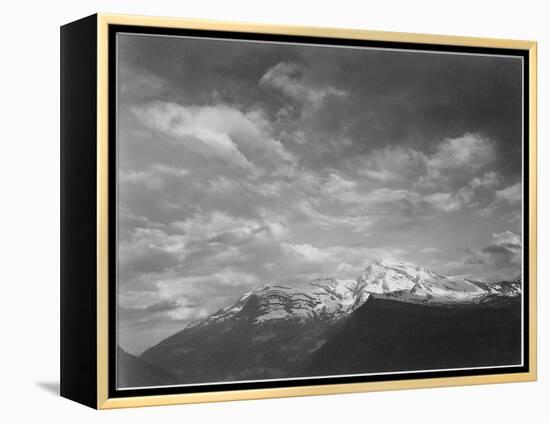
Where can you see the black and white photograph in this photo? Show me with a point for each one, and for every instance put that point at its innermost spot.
(304, 211)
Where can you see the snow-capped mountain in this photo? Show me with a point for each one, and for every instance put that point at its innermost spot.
(330, 299)
(409, 282)
(323, 299)
(327, 325)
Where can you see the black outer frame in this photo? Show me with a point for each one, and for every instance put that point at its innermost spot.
(79, 211)
(79, 115)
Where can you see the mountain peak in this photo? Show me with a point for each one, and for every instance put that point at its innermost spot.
(391, 262)
(329, 299)
(408, 282)
(322, 298)
(400, 265)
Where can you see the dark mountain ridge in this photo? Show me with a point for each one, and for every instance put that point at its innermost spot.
(391, 336)
(134, 372)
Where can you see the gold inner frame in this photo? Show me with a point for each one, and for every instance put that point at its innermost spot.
(103, 400)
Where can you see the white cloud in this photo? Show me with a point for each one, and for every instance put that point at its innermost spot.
(456, 158)
(336, 184)
(448, 180)
(306, 252)
(140, 177)
(299, 137)
(389, 195)
(452, 201)
(152, 178)
(218, 225)
(220, 131)
(149, 250)
(185, 125)
(343, 261)
(182, 288)
(454, 162)
(271, 188)
(184, 313)
(223, 185)
(291, 80)
(352, 260)
(507, 239)
(382, 201)
(359, 223)
(500, 259)
(169, 170)
(394, 164)
(137, 299)
(507, 198)
(351, 192)
(511, 194)
(504, 253)
(138, 82)
(443, 201)
(488, 180)
(277, 229)
(158, 238)
(175, 297)
(346, 268)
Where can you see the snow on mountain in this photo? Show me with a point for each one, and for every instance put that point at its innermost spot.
(409, 282)
(329, 299)
(325, 299)
(505, 288)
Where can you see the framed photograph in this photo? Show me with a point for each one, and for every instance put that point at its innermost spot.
(254, 211)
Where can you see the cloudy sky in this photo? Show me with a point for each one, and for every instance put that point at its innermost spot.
(243, 164)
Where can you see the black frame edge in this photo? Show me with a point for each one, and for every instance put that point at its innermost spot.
(78, 238)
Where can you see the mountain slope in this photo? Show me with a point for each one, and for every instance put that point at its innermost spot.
(238, 349)
(387, 336)
(322, 299)
(408, 282)
(133, 372)
(281, 331)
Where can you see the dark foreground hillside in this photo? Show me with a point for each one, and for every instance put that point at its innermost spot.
(133, 372)
(382, 335)
(238, 349)
(386, 335)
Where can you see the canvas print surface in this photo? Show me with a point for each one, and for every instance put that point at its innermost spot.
(295, 211)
